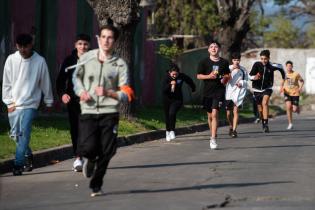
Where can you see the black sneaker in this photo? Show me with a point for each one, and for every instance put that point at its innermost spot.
(17, 170)
(231, 132)
(28, 163)
(234, 134)
(97, 191)
(266, 129)
(88, 168)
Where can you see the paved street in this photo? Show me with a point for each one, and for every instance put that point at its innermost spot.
(255, 171)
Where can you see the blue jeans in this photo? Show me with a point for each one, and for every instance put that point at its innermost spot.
(21, 124)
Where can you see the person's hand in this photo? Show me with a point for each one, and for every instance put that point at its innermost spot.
(65, 98)
(85, 96)
(281, 90)
(11, 109)
(212, 75)
(257, 76)
(239, 85)
(100, 91)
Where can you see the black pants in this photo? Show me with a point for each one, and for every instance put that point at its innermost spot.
(98, 142)
(171, 107)
(74, 112)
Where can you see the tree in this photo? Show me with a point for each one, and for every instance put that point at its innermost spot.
(227, 21)
(124, 14)
(283, 33)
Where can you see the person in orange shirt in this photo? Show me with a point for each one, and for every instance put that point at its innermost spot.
(291, 89)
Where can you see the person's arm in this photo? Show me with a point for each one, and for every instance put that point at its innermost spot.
(254, 73)
(62, 79)
(125, 92)
(7, 86)
(45, 85)
(201, 75)
(244, 80)
(301, 83)
(190, 82)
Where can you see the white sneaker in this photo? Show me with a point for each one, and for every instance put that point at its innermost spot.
(172, 135)
(168, 136)
(77, 165)
(290, 126)
(213, 144)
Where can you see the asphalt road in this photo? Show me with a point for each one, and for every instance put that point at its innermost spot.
(254, 171)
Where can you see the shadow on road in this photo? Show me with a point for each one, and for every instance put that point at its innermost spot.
(171, 164)
(44, 172)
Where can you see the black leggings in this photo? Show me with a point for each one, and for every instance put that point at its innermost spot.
(171, 107)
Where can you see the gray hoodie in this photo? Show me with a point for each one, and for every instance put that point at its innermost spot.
(111, 74)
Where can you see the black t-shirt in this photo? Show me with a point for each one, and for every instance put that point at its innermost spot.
(213, 87)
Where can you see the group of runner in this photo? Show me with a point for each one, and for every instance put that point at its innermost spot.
(93, 83)
(226, 86)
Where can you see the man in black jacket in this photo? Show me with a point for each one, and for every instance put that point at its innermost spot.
(262, 75)
(67, 95)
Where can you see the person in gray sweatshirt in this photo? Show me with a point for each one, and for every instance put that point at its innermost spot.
(25, 79)
(101, 82)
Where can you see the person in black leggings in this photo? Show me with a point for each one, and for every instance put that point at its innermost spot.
(173, 97)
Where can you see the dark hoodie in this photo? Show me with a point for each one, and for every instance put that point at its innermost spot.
(180, 79)
(64, 80)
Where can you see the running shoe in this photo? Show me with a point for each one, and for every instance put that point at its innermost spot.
(234, 134)
(28, 163)
(213, 144)
(97, 191)
(266, 129)
(172, 135)
(168, 137)
(77, 165)
(231, 132)
(290, 126)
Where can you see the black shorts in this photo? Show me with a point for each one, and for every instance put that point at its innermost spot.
(229, 105)
(210, 103)
(293, 99)
(260, 95)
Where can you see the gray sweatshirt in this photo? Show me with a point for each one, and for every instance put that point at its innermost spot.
(111, 74)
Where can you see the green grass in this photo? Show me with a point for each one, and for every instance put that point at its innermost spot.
(52, 131)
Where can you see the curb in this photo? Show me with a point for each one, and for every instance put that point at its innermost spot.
(56, 154)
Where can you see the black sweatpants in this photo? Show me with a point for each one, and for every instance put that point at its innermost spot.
(98, 142)
(171, 107)
(74, 112)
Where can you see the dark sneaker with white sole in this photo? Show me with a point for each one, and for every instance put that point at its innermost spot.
(97, 191)
(28, 163)
(17, 170)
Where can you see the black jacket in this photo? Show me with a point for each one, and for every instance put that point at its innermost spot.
(64, 80)
(267, 75)
(177, 94)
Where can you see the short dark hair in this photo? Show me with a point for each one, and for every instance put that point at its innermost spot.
(24, 39)
(235, 55)
(111, 28)
(214, 42)
(83, 37)
(265, 53)
(289, 62)
(173, 67)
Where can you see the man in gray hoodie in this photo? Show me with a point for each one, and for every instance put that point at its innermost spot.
(25, 78)
(101, 82)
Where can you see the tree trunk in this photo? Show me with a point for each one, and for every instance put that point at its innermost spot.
(235, 16)
(123, 14)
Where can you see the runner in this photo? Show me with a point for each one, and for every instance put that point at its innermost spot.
(292, 89)
(173, 97)
(262, 75)
(101, 81)
(214, 71)
(236, 90)
(65, 91)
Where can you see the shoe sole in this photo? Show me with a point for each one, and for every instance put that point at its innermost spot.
(78, 169)
(97, 194)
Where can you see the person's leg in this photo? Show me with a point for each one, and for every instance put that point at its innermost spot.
(73, 114)
(23, 149)
(108, 126)
(166, 106)
(174, 108)
(295, 104)
(289, 111)
(229, 116)
(265, 107)
(214, 124)
(235, 117)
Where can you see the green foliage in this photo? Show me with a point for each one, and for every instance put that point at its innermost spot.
(310, 34)
(283, 33)
(186, 17)
(171, 52)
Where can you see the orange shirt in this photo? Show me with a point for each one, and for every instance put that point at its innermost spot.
(291, 84)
